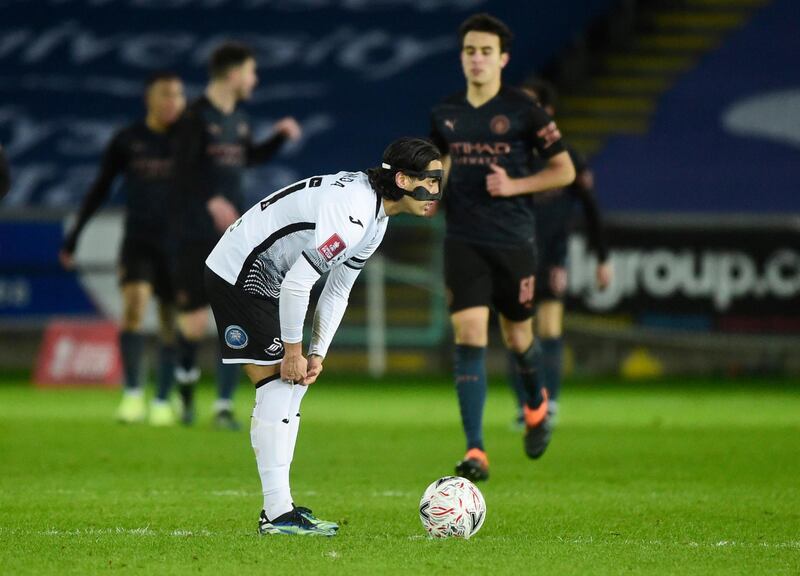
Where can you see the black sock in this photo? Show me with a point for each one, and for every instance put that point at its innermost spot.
(166, 371)
(516, 382)
(552, 354)
(527, 364)
(187, 353)
(470, 377)
(227, 379)
(131, 346)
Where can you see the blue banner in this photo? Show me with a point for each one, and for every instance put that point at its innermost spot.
(356, 73)
(726, 137)
(32, 285)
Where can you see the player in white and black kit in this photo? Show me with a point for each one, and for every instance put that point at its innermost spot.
(213, 147)
(489, 136)
(259, 278)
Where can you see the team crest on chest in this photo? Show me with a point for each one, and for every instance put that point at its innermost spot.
(500, 124)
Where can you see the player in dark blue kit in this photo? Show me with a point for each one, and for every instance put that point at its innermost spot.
(553, 211)
(142, 154)
(488, 136)
(213, 145)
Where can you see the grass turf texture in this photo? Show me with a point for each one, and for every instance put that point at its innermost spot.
(667, 478)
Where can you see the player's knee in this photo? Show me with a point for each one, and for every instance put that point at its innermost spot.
(193, 325)
(550, 320)
(133, 315)
(550, 330)
(471, 335)
(518, 343)
(518, 340)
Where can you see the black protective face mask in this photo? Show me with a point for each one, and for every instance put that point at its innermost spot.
(420, 193)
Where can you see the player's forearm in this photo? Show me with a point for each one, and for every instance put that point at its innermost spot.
(447, 164)
(295, 292)
(331, 308)
(91, 203)
(583, 189)
(263, 152)
(594, 226)
(327, 318)
(292, 349)
(555, 175)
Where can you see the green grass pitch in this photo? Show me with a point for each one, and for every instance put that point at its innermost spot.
(665, 478)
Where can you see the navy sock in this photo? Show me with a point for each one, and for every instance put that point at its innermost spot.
(227, 379)
(187, 353)
(131, 346)
(515, 381)
(166, 371)
(552, 353)
(527, 364)
(470, 376)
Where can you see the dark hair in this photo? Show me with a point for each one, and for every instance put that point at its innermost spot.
(407, 155)
(227, 56)
(546, 93)
(158, 76)
(484, 22)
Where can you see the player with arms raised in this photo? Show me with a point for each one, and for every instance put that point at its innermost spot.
(489, 135)
(259, 278)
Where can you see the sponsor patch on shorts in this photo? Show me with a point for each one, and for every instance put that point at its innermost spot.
(235, 337)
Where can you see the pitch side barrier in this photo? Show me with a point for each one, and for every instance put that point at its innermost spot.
(404, 280)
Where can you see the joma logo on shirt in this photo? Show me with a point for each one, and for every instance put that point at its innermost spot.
(332, 247)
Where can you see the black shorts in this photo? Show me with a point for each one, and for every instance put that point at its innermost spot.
(189, 263)
(498, 277)
(551, 275)
(145, 261)
(249, 328)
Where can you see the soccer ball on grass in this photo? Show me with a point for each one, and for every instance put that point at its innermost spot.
(452, 507)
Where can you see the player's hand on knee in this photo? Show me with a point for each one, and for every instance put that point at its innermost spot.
(223, 213)
(288, 127)
(294, 368)
(314, 369)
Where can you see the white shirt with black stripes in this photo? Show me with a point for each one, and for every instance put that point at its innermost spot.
(282, 245)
